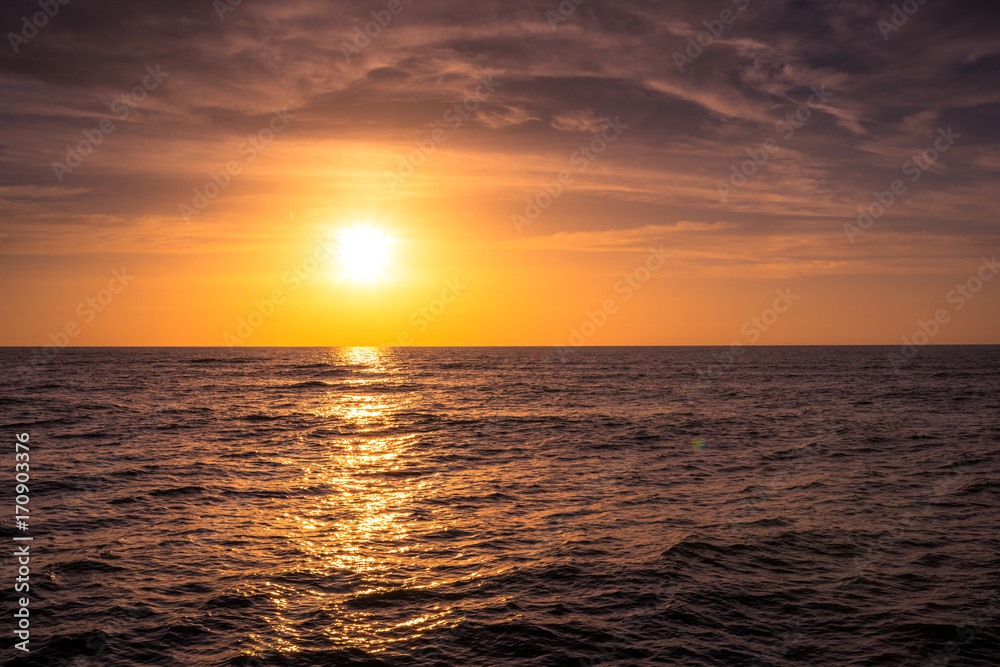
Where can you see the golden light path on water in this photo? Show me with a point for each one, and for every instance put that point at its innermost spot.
(426, 506)
(361, 529)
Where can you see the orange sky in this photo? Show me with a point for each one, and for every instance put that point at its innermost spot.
(640, 158)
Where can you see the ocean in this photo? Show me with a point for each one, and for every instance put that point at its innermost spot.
(505, 506)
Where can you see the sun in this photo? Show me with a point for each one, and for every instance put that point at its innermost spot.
(364, 253)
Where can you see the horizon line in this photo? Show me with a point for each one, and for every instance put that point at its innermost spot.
(404, 347)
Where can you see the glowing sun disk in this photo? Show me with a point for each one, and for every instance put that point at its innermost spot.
(364, 253)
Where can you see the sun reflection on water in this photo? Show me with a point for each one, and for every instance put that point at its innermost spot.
(357, 536)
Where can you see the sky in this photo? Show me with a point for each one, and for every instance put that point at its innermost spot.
(765, 172)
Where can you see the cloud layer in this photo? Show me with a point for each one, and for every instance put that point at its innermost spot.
(680, 169)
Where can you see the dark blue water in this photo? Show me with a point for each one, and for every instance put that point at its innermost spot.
(505, 506)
